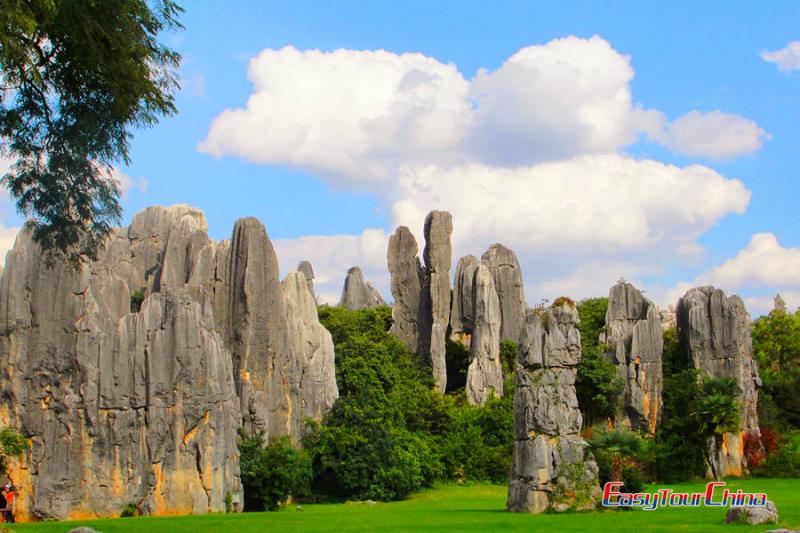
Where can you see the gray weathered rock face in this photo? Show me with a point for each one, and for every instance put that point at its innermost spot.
(308, 271)
(144, 405)
(461, 317)
(668, 316)
(550, 469)
(434, 315)
(264, 359)
(714, 329)
(753, 514)
(635, 344)
(119, 407)
(508, 279)
(406, 276)
(358, 293)
(317, 380)
(485, 372)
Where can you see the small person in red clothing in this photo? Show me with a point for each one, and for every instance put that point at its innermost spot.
(8, 509)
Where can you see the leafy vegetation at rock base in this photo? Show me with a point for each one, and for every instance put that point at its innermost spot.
(390, 433)
(776, 348)
(597, 385)
(272, 473)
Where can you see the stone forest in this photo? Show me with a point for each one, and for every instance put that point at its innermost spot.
(135, 377)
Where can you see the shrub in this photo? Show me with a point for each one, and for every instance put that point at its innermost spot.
(137, 297)
(479, 441)
(391, 432)
(509, 354)
(754, 450)
(769, 439)
(674, 358)
(12, 444)
(784, 461)
(272, 473)
(130, 510)
(457, 362)
(695, 409)
(776, 348)
(597, 385)
(228, 502)
(378, 441)
(615, 450)
(680, 447)
(598, 389)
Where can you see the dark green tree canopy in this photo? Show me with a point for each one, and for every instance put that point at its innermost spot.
(76, 77)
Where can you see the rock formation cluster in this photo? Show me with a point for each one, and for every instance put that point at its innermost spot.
(358, 293)
(480, 287)
(550, 468)
(714, 330)
(421, 309)
(479, 313)
(132, 374)
(634, 343)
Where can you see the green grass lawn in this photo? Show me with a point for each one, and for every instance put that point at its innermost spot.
(456, 508)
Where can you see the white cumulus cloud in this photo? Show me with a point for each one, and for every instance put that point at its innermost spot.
(353, 114)
(712, 135)
(570, 96)
(787, 58)
(589, 204)
(764, 263)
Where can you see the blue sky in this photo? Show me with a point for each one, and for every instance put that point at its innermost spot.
(664, 110)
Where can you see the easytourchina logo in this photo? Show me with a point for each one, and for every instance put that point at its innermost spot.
(715, 495)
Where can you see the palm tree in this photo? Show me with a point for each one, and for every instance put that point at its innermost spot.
(718, 409)
(621, 447)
